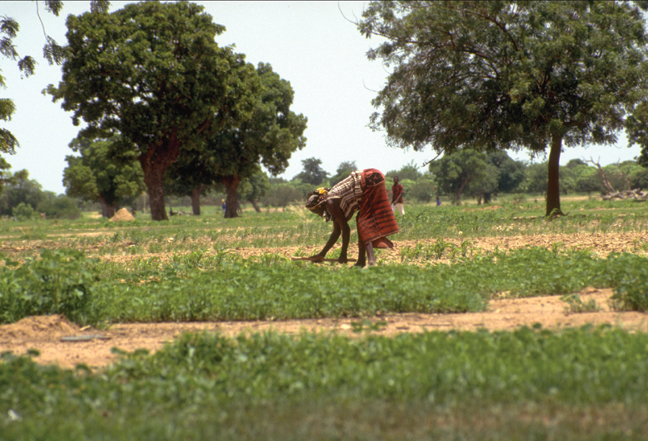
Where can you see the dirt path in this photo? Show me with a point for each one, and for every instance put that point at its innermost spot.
(51, 334)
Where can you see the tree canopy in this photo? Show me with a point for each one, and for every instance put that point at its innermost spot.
(312, 172)
(96, 175)
(268, 135)
(343, 171)
(510, 75)
(152, 73)
(465, 171)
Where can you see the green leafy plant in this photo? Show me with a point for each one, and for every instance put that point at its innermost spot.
(23, 212)
(576, 305)
(60, 282)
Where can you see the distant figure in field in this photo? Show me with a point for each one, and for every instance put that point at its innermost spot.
(224, 206)
(438, 201)
(397, 196)
(364, 192)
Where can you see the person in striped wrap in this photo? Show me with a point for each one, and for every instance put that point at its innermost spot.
(363, 192)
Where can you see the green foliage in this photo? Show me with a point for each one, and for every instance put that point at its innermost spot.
(23, 212)
(97, 175)
(60, 282)
(508, 75)
(432, 385)
(343, 171)
(255, 187)
(587, 179)
(409, 171)
(17, 189)
(185, 81)
(466, 171)
(577, 305)
(511, 173)
(59, 207)
(632, 292)
(282, 195)
(267, 135)
(424, 189)
(223, 286)
(313, 173)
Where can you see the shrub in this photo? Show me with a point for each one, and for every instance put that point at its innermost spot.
(60, 282)
(61, 207)
(23, 212)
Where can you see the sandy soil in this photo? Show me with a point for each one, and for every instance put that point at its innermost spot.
(63, 343)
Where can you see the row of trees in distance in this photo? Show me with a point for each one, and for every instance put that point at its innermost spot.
(93, 179)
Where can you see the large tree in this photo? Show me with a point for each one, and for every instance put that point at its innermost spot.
(153, 73)
(97, 175)
(267, 136)
(510, 74)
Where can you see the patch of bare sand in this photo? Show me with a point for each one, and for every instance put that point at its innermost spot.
(44, 333)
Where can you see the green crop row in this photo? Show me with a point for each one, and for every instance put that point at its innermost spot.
(589, 382)
(197, 286)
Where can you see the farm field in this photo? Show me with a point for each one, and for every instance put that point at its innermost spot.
(483, 323)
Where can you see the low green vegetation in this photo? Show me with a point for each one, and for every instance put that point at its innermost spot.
(584, 384)
(224, 286)
(576, 384)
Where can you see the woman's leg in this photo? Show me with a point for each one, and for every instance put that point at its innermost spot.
(361, 254)
(371, 259)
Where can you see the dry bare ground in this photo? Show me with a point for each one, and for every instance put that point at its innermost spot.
(63, 343)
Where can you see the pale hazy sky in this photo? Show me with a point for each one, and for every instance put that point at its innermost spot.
(310, 44)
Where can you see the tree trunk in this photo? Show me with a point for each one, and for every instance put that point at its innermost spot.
(460, 190)
(154, 180)
(195, 200)
(553, 177)
(107, 210)
(255, 205)
(231, 183)
(154, 163)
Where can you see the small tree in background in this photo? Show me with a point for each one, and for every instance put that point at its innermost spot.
(20, 189)
(423, 189)
(97, 175)
(312, 173)
(343, 171)
(59, 207)
(23, 212)
(254, 188)
(409, 171)
(466, 171)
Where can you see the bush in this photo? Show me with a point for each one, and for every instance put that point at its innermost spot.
(423, 190)
(60, 282)
(631, 294)
(61, 207)
(282, 195)
(23, 212)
